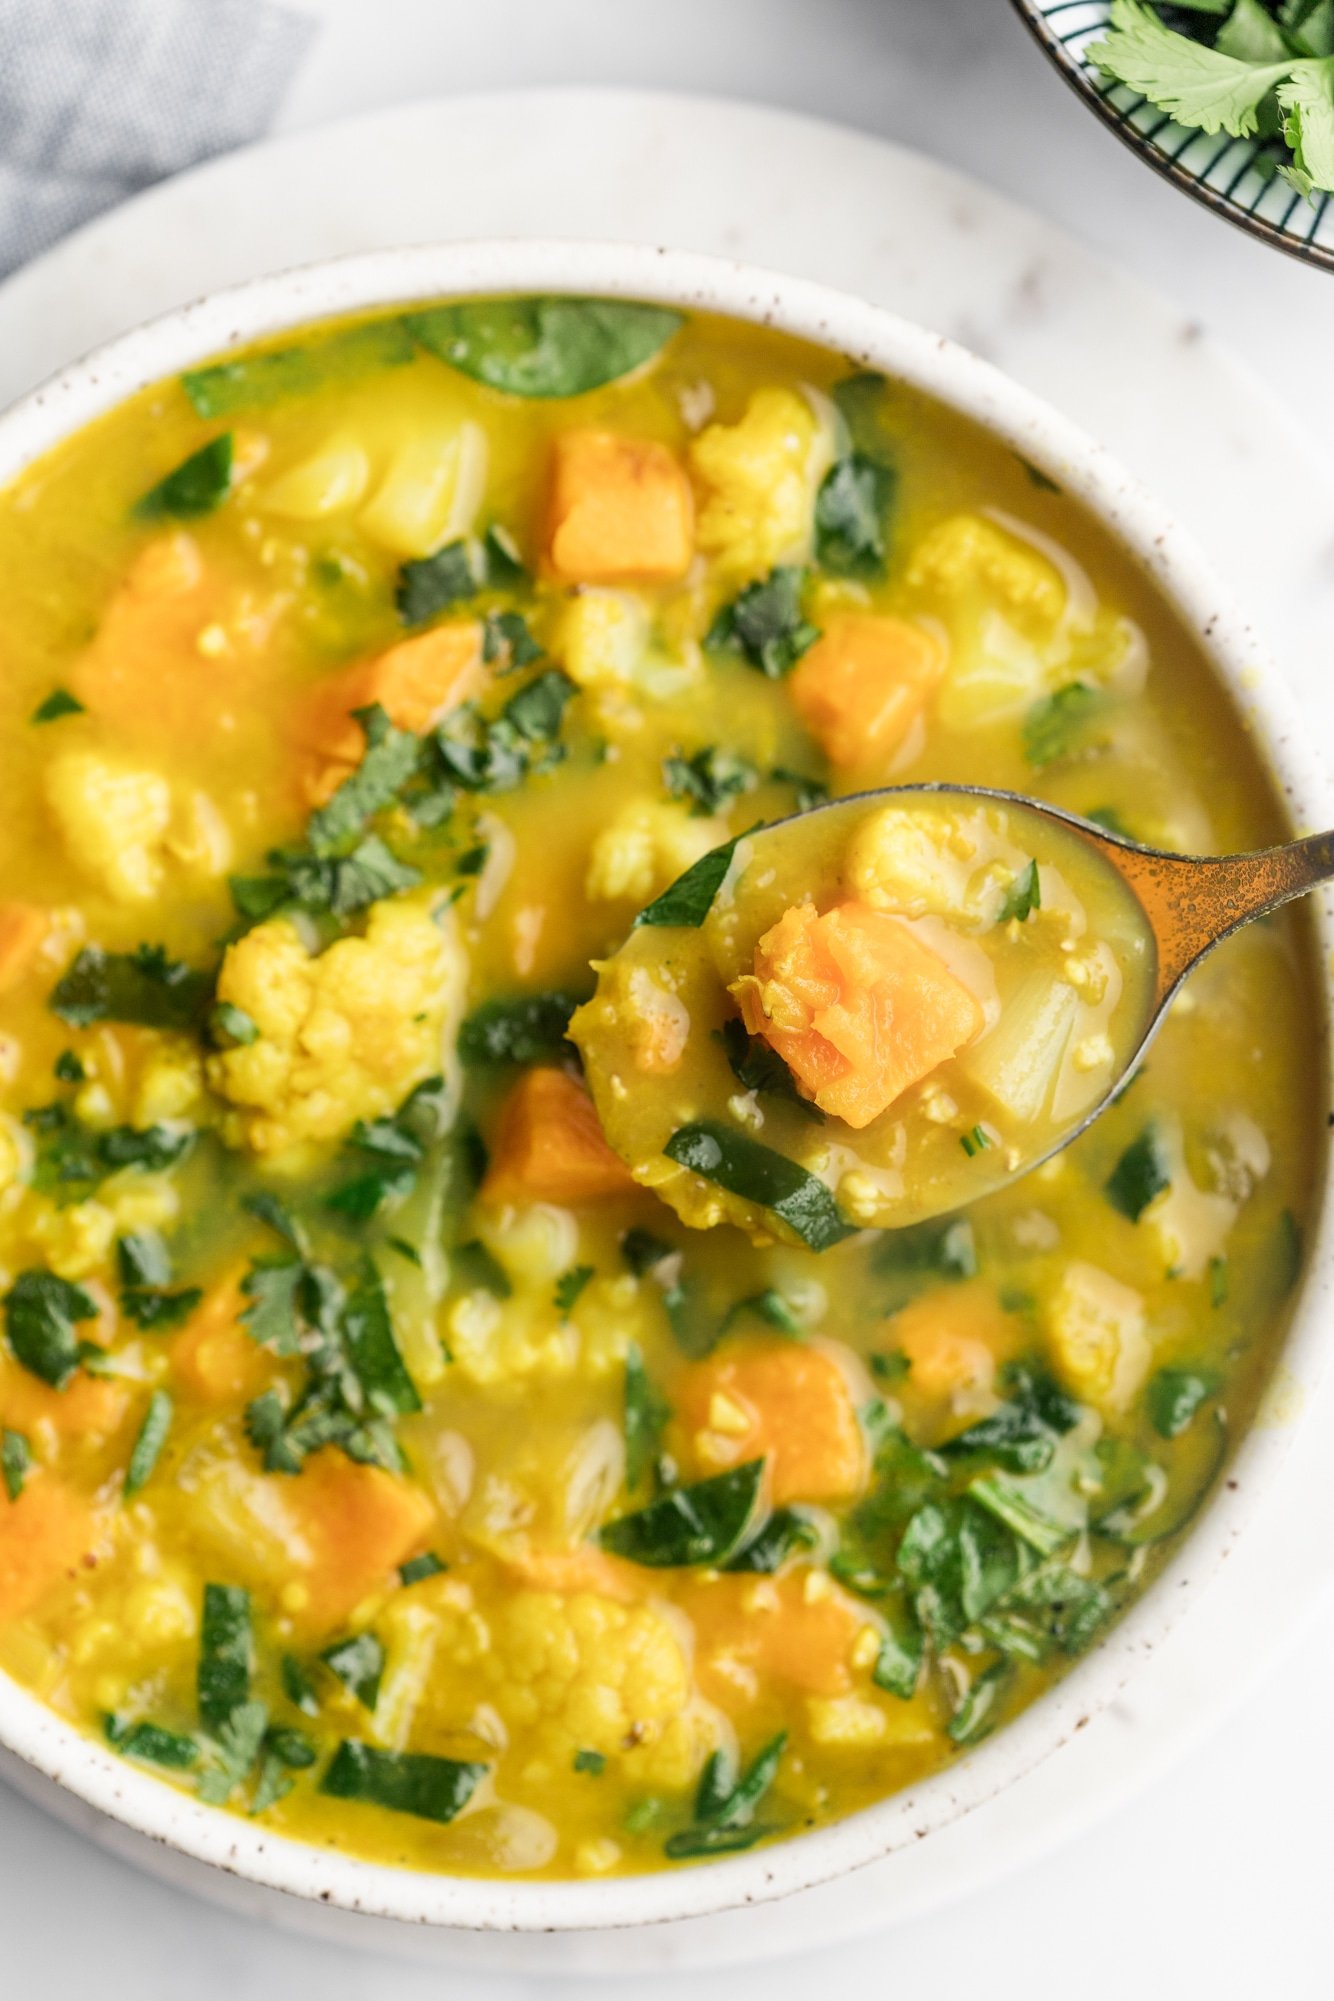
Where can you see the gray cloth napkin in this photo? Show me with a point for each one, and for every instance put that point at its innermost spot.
(99, 98)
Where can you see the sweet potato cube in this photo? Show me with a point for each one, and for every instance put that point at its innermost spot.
(549, 1145)
(953, 1339)
(213, 1358)
(44, 1537)
(88, 1409)
(789, 1403)
(23, 932)
(863, 684)
(857, 1007)
(799, 1629)
(620, 509)
(358, 1524)
(415, 683)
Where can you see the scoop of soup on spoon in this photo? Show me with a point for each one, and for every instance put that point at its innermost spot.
(892, 1004)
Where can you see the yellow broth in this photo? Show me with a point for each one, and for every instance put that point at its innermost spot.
(483, 1517)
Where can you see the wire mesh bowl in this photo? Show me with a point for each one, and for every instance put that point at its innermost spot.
(1237, 178)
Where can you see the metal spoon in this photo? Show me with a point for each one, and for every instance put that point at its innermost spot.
(1185, 904)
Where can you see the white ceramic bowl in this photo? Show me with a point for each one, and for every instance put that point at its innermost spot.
(84, 1780)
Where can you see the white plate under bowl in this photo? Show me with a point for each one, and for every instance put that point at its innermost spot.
(830, 204)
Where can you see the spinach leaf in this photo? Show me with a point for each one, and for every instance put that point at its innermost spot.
(58, 703)
(403, 1781)
(42, 1314)
(1070, 1608)
(198, 485)
(959, 1563)
(15, 1462)
(526, 1029)
(851, 511)
(1012, 1506)
(359, 1665)
(153, 1148)
(1174, 1396)
(977, 1714)
(148, 1445)
(772, 1308)
(298, 1686)
(787, 1533)
(545, 347)
(1140, 1175)
(646, 1412)
(1054, 727)
(862, 402)
(538, 709)
(758, 1067)
(757, 1174)
(144, 987)
(368, 1334)
(764, 624)
(911, 1258)
(899, 1665)
(725, 1805)
(642, 1250)
(149, 1744)
(703, 1524)
(689, 899)
(1021, 1433)
(1023, 897)
(261, 380)
(709, 779)
(226, 1655)
(428, 585)
(496, 756)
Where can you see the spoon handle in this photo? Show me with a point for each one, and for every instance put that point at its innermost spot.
(1194, 901)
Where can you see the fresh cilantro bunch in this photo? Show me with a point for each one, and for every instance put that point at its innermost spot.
(1252, 68)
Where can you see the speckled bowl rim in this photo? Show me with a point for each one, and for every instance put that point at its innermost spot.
(871, 337)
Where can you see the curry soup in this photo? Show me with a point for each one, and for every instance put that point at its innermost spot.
(381, 1456)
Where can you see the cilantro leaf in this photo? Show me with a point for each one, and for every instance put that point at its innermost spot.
(1200, 86)
(709, 779)
(430, 584)
(1307, 101)
(765, 624)
(387, 763)
(144, 987)
(569, 1287)
(851, 510)
(42, 1315)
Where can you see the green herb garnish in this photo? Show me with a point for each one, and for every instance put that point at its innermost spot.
(148, 1445)
(543, 347)
(757, 1174)
(196, 486)
(1140, 1175)
(689, 1526)
(42, 1316)
(764, 625)
(403, 1781)
(58, 703)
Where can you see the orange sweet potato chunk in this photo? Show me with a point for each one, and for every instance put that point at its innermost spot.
(359, 1524)
(620, 509)
(549, 1145)
(953, 1339)
(23, 932)
(415, 683)
(44, 1536)
(863, 684)
(776, 1629)
(213, 1358)
(788, 1402)
(858, 1008)
(89, 1408)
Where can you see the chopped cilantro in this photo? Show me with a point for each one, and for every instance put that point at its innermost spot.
(58, 703)
(42, 1316)
(15, 1462)
(709, 779)
(196, 486)
(569, 1287)
(851, 510)
(1023, 897)
(359, 1665)
(592, 1763)
(765, 624)
(1054, 726)
(144, 987)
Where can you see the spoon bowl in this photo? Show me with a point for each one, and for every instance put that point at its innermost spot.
(894, 1003)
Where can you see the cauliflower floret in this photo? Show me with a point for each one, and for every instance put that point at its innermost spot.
(124, 827)
(169, 1083)
(342, 1036)
(645, 848)
(586, 1673)
(74, 1242)
(493, 1343)
(113, 822)
(760, 478)
(967, 553)
(1096, 1328)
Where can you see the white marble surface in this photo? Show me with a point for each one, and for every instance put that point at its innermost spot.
(1211, 1881)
